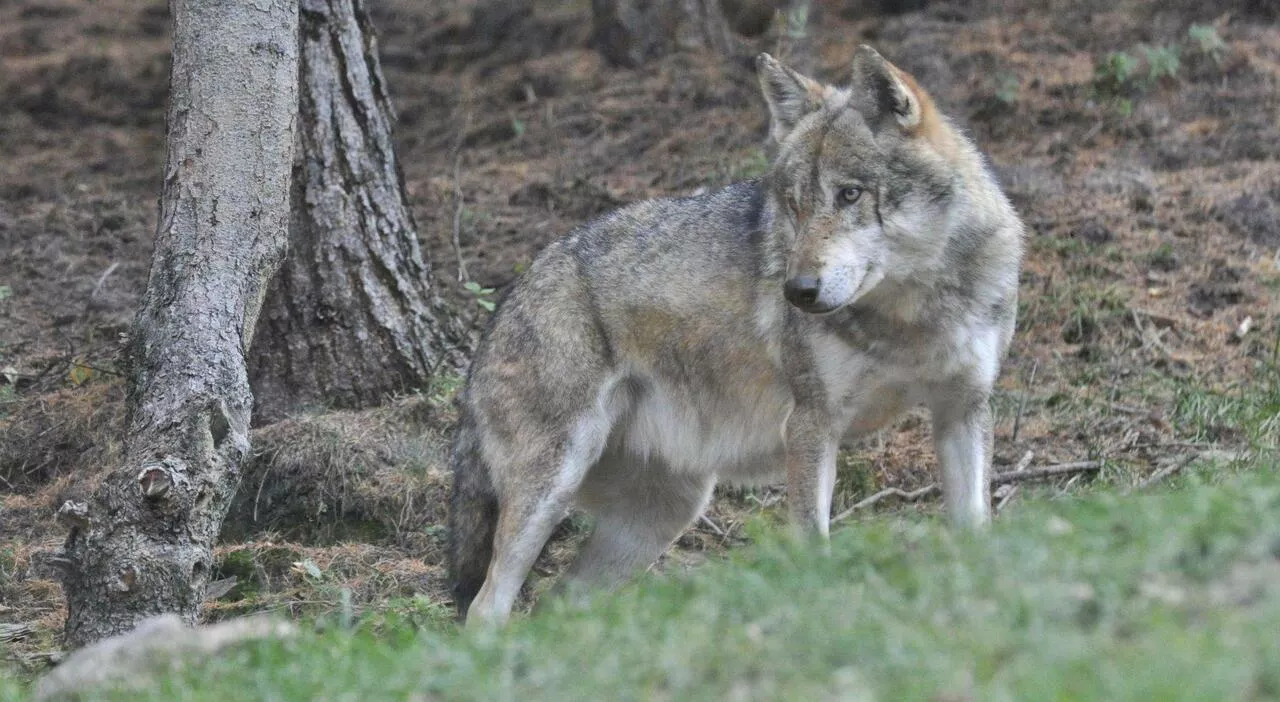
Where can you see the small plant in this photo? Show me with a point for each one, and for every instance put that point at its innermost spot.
(1081, 326)
(1163, 258)
(797, 21)
(1120, 78)
(1114, 75)
(1007, 88)
(443, 388)
(1163, 63)
(483, 296)
(6, 292)
(79, 373)
(471, 219)
(8, 397)
(1207, 42)
(308, 569)
(753, 166)
(8, 565)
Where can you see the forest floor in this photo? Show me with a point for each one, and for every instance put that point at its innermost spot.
(1143, 155)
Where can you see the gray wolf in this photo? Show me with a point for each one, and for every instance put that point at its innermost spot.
(740, 335)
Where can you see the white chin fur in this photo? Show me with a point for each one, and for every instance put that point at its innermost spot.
(856, 285)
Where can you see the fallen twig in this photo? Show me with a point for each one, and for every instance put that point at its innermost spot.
(1022, 401)
(769, 500)
(463, 276)
(1011, 490)
(712, 525)
(1126, 409)
(926, 491)
(1158, 320)
(15, 632)
(1143, 445)
(1071, 482)
(1013, 476)
(1093, 131)
(102, 279)
(1046, 472)
(1152, 338)
(1004, 499)
(1167, 471)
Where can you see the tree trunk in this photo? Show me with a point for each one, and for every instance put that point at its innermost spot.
(143, 544)
(630, 32)
(352, 316)
(750, 18)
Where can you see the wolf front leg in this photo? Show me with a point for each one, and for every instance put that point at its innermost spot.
(811, 470)
(962, 437)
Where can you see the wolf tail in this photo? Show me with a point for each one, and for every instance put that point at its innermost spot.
(473, 517)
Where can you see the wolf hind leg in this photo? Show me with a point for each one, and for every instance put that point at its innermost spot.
(528, 513)
(640, 508)
(473, 515)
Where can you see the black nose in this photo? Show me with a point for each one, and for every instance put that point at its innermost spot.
(801, 291)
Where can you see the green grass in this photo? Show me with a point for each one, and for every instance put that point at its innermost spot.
(1204, 38)
(1107, 597)
(1249, 411)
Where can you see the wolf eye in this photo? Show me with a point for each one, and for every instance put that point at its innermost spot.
(850, 195)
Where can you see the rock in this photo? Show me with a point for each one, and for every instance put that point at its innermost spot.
(157, 646)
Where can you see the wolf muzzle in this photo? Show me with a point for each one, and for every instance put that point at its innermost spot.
(802, 292)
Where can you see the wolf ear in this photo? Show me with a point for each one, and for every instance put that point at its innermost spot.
(790, 96)
(883, 91)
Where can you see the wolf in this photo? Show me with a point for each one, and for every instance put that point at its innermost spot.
(741, 336)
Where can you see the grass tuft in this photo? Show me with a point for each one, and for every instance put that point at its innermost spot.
(1171, 596)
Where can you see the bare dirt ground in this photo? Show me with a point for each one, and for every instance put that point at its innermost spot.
(1152, 203)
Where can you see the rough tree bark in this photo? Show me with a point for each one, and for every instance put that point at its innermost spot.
(750, 17)
(631, 32)
(352, 316)
(143, 544)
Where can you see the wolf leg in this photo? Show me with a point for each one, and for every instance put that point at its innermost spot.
(473, 515)
(962, 436)
(640, 508)
(524, 525)
(529, 510)
(811, 470)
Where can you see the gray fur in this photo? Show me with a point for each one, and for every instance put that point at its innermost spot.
(651, 353)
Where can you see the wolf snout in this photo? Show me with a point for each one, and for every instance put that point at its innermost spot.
(801, 291)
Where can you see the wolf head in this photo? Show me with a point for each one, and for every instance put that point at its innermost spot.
(864, 180)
